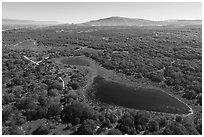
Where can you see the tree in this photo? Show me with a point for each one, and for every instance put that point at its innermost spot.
(153, 126)
(175, 129)
(15, 130)
(54, 110)
(42, 99)
(199, 99)
(178, 119)
(26, 103)
(53, 92)
(157, 77)
(162, 122)
(141, 118)
(87, 127)
(41, 112)
(106, 123)
(7, 113)
(126, 123)
(169, 81)
(114, 132)
(42, 130)
(74, 85)
(113, 118)
(8, 98)
(77, 109)
(199, 128)
(17, 81)
(190, 95)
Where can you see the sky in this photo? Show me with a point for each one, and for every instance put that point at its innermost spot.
(70, 12)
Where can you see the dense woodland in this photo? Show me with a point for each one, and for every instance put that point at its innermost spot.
(35, 103)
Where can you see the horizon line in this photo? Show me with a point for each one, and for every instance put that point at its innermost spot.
(63, 22)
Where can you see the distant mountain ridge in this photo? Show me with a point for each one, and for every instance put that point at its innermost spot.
(110, 21)
(27, 22)
(8, 24)
(123, 21)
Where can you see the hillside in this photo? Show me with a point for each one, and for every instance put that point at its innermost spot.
(122, 21)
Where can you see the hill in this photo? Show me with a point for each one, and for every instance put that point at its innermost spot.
(122, 21)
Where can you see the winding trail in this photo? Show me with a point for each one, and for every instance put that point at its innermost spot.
(63, 85)
(36, 63)
(94, 72)
(34, 42)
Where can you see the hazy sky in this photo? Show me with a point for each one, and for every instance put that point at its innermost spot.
(81, 12)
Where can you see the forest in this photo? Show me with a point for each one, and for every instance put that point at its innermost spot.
(34, 102)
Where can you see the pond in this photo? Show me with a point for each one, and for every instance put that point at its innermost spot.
(75, 61)
(149, 99)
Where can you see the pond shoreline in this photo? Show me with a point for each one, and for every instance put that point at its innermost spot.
(95, 68)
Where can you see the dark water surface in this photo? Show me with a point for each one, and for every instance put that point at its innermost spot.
(75, 61)
(142, 98)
